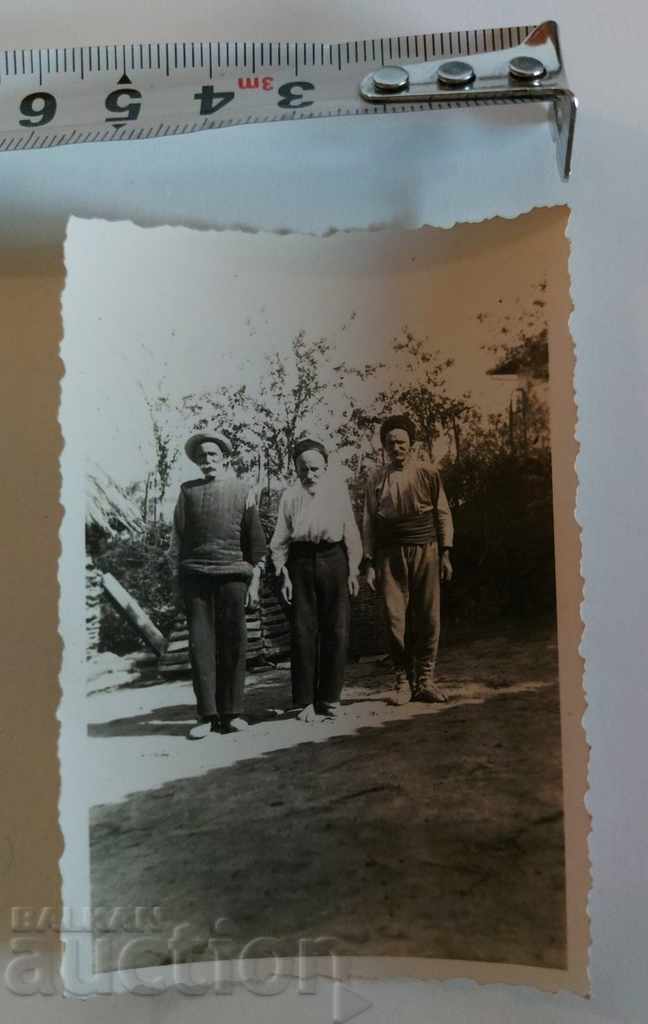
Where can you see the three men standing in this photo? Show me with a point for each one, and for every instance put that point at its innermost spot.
(218, 547)
(407, 533)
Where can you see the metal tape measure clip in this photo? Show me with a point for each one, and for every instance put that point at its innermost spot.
(56, 97)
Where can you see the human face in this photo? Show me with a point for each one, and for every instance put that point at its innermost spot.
(210, 459)
(310, 466)
(397, 445)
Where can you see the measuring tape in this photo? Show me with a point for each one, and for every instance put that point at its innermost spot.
(55, 97)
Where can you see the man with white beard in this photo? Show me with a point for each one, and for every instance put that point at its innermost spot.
(316, 550)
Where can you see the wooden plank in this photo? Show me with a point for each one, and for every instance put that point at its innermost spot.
(182, 657)
(130, 610)
(174, 659)
(177, 645)
(277, 626)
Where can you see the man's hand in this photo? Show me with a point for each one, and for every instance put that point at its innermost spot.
(354, 586)
(371, 578)
(446, 567)
(252, 596)
(286, 586)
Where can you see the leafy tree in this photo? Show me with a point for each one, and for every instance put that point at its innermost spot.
(499, 485)
(529, 356)
(414, 382)
(224, 410)
(160, 409)
(522, 345)
(293, 392)
(303, 389)
(141, 566)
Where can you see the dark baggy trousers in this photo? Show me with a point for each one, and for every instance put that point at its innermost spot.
(410, 587)
(320, 619)
(215, 610)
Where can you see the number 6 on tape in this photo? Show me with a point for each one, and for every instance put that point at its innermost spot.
(99, 93)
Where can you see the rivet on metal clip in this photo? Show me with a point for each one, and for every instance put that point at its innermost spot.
(533, 71)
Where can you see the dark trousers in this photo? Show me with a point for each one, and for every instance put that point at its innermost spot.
(217, 642)
(320, 619)
(410, 587)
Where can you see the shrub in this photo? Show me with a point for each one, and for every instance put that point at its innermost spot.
(141, 566)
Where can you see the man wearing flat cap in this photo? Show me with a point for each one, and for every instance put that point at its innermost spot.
(217, 549)
(316, 550)
(407, 536)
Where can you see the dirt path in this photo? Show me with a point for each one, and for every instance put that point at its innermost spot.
(434, 834)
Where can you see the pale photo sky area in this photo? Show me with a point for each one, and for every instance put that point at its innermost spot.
(185, 311)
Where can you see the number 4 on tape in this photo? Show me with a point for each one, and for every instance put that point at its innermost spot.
(134, 91)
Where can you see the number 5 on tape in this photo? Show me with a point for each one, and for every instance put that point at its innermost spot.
(133, 91)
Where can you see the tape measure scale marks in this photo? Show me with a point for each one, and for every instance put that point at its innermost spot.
(54, 97)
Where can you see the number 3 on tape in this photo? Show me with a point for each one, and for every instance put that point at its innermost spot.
(142, 90)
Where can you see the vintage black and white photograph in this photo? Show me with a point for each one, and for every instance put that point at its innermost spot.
(318, 618)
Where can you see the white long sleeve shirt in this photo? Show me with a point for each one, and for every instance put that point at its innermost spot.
(326, 515)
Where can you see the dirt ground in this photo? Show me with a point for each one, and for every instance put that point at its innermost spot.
(424, 831)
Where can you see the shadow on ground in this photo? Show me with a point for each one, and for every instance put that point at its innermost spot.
(433, 836)
(265, 694)
(494, 662)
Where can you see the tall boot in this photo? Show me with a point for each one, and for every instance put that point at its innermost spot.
(425, 689)
(401, 692)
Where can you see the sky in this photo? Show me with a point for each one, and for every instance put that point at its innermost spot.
(174, 310)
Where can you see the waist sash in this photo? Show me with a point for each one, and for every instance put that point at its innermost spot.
(417, 529)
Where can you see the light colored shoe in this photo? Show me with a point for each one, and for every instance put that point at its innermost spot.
(401, 692)
(236, 725)
(199, 731)
(308, 715)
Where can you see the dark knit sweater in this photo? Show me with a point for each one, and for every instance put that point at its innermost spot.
(218, 534)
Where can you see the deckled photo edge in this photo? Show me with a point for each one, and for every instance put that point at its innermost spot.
(74, 746)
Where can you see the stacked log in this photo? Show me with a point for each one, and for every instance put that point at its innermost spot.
(93, 595)
(268, 638)
(146, 664)
(275, 628)
(175, 660)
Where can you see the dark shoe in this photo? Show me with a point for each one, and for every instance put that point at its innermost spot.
(234, 724)
(328, 709)
(425, 689)
(429, 694)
